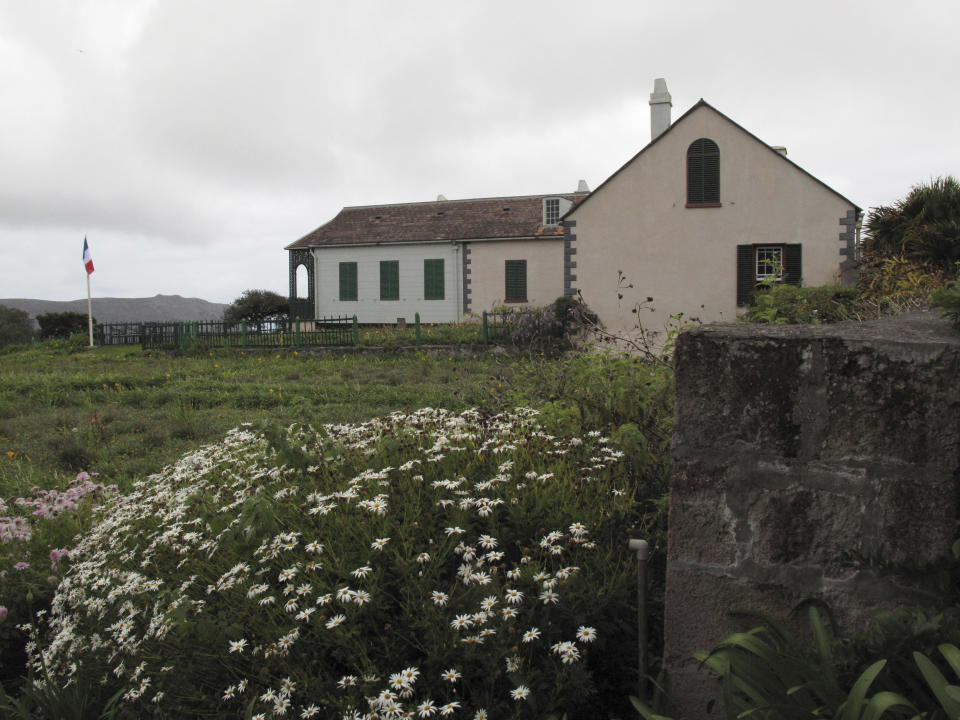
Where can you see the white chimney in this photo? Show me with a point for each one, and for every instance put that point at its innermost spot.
(659, 109)
(582, 186)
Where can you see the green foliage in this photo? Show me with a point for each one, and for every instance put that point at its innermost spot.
(789, 304)
(924, 226)
(257, 307)
(947, 694)
(947, 298)
(898, 668)
(15, 326)
(767, 672)
(63, 324)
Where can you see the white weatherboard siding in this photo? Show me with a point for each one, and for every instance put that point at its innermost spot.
(368, 307)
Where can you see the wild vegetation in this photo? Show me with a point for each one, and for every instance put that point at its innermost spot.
(125, 414)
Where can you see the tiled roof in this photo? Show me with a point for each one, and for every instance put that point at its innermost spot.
(484, 218)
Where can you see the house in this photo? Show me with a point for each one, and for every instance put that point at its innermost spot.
(442, 259)
(698, 218)
(691, 224)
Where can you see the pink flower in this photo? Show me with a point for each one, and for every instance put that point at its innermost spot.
(21, 566)
(3, 612)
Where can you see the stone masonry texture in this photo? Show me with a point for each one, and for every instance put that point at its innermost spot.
(810, 462)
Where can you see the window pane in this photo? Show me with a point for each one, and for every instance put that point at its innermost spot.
(433, 279)
(389, 279)
(348, 281)
(516, 281)
(551, 214)
(769, 263)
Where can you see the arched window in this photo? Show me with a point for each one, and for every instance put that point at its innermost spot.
(703, 174)
(303, 282)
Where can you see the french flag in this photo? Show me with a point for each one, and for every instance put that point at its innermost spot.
(87, 258)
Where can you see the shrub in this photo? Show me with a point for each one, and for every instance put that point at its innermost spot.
(257, 307)
(427, 561)
(15, 326)
(891, 284)
(924, 226)
(63, 325)
(789, 304)
(547, 330)
(947, 299)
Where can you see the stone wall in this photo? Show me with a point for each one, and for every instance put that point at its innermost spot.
(809, 462)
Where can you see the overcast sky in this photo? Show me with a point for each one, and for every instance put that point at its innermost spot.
(191, 140)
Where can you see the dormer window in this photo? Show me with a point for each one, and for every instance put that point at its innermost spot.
(554, 208)
(551, 211)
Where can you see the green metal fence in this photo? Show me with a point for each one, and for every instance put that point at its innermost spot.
(330, 331)
(342, 331)
(496, 327)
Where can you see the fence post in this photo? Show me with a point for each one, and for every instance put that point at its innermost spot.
(642, 549)
(296, 333)
(484, 334)
(243, 332)
(416, 326)
(356, 332)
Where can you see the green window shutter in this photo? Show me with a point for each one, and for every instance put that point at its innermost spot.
(348, 281)
(516, 281)
(389, 279)
(433, 279)
(746, 274)
(792, 264)
(703, 172)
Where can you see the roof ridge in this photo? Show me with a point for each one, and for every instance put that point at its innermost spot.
(457, 200)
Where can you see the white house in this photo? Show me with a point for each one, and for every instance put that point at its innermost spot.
(441, 259)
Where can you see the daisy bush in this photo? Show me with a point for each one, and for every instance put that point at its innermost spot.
(429, 564)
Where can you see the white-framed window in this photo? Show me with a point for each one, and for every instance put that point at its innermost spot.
(551, 211)
(769, 264)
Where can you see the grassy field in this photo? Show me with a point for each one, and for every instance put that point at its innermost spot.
(125, 413)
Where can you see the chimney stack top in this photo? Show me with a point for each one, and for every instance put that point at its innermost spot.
(659, 108)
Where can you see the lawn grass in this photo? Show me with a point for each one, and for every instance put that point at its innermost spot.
(125, 413)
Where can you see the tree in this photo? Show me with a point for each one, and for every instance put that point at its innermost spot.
(924, 226)
(62, 324)
(257, 307)
(15, 326)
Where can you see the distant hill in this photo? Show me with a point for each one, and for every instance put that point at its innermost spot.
(157, 308)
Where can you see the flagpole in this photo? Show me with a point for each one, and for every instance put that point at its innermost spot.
(89, 311)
